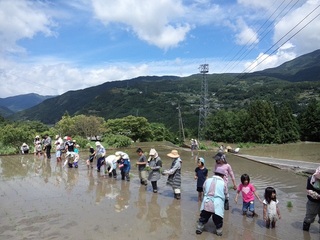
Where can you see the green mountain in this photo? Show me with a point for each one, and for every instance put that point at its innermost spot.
(157, 98)
(303, 68)
(5, 112)
(22, 102)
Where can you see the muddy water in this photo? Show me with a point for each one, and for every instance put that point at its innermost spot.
(42, 200)
(305, 151)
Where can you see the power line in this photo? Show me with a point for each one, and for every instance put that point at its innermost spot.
(250, 48)
(284, 37)
(281, 44)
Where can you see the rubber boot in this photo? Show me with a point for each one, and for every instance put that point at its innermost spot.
(226, 204)
(219, 231)
(177, 196)
(306, 226)
(200, 228)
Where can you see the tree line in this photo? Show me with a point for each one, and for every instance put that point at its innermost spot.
(264, 122)
(261, 122)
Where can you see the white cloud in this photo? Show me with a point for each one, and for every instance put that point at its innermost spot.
(308, 39)
(258, 4)
(263, 61)
(153, 21)
(57, 78)
(246, 35)
(21, 19)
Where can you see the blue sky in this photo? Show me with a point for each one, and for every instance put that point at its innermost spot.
(50, 47)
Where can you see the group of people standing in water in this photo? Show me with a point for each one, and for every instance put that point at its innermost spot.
(213, 192)
(214, 197)
(149, 168)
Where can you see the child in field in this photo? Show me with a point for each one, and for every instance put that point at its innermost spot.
(58, 151)
(270, 207)
(76, 156)
(91, 157)
(201, 174)
(248, 192)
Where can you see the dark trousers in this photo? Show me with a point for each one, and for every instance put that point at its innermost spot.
(205, 216)
(113, 173)
(100, 162)
(125, 175)
(48, 151)
(154, 185)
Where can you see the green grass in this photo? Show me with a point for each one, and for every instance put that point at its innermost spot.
(6, 150)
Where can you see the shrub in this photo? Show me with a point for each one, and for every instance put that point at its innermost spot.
(117, 141)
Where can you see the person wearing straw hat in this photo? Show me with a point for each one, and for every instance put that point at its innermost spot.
(212, 205)
(174, 178)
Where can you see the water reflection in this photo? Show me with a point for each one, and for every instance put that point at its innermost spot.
(90, 180)
(141, 203)
(72, 179)
(58, 173)
(153, 215)
(174, 219)
(122, 199)
(159, 214)
(46, 170)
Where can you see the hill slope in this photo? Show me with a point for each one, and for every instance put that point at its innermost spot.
(303, 68)
(22, 102)
(157, 98)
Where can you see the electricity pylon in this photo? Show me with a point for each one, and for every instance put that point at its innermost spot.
(204, 101)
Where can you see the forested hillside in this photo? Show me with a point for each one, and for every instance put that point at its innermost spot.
(157, 98)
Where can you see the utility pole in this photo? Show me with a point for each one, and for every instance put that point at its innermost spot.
(181, 129)
(204, 101)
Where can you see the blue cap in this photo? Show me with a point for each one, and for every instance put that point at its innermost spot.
(201, 160)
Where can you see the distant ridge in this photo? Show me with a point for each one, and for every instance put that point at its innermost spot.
(22, 102)
(303, 68)
(157, 97)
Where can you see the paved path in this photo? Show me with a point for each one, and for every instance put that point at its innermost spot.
(297, 166)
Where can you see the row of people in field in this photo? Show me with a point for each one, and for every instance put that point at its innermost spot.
(149, 169)
(214, 197)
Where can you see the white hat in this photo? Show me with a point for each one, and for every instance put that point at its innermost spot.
(118, 155)
(152, 152)
(98, 143)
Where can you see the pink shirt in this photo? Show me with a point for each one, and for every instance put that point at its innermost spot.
(247, 192)
(227, 169)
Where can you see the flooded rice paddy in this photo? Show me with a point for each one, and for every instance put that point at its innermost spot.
(40, 199)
